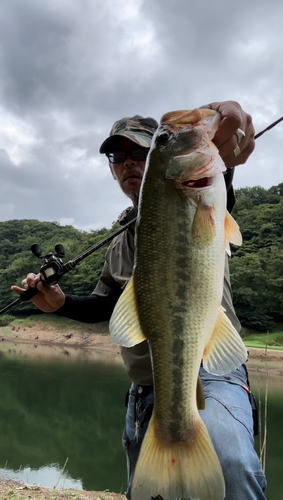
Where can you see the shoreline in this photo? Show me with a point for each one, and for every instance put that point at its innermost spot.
(44, 340)
(15, 490)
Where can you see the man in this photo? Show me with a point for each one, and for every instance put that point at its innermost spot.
(228, 413)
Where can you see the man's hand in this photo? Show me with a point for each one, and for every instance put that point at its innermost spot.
(49, 298)
(233, 117)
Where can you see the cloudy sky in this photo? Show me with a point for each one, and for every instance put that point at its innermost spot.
(70, 68)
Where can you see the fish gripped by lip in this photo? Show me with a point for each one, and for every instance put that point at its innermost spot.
(174, 301)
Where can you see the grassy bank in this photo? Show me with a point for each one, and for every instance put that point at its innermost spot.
(46, 321)
(272, 339)
(18, 326)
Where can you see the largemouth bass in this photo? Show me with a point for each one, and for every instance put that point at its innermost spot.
(174, 301)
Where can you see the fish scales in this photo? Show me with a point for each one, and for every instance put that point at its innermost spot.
(174, 301)
(179, 277)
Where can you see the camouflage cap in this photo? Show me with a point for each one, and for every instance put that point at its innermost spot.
(138, 129)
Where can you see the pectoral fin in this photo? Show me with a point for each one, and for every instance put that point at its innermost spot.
(232, 233)
(124, 323)
(203, 228)
(225, 351)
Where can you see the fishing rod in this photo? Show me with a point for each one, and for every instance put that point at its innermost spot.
(53, 268)
(269, 127)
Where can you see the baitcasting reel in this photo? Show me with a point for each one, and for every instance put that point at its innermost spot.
(52, 268)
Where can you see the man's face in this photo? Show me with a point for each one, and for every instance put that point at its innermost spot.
(128, 173)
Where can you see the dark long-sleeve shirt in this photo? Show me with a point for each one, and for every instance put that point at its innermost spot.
(116, 273)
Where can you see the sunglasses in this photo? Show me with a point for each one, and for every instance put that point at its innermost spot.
(139, 154)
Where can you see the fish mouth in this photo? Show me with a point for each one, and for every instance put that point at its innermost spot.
(198, 183)
(182, 118)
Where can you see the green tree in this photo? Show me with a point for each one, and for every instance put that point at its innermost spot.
(16, 259)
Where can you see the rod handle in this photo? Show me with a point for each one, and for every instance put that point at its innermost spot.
(28, 294)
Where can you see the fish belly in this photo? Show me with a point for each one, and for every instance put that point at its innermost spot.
(178, 289)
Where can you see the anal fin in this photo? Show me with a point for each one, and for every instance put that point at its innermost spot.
(203, 227)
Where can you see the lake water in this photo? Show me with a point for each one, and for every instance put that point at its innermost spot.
(62, 415)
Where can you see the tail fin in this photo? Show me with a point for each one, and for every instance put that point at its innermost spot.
(188, 469)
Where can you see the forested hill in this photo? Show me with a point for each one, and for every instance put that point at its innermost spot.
(256, 267)
(16, 258)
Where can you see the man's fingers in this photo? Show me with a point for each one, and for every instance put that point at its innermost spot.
(246, 148)
(232, 118)
(17, 289)
(236, 153)
(227, 130)
(31, 281)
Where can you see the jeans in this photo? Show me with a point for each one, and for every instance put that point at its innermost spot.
(228, 419)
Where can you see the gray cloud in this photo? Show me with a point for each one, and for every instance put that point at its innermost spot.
(70, 68)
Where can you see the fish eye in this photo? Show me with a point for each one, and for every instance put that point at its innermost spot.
(164, 136)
